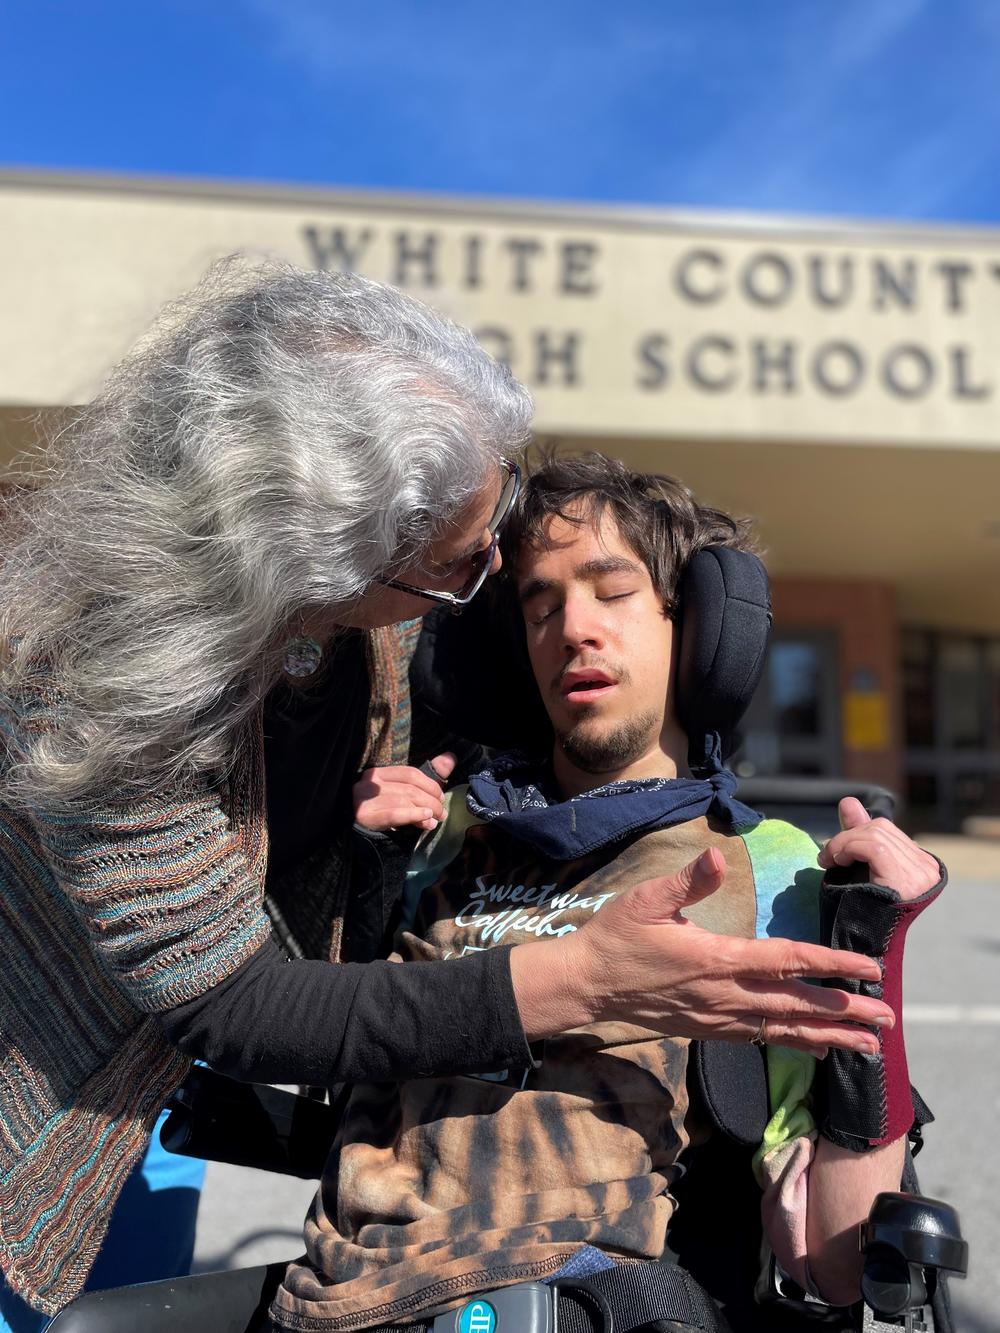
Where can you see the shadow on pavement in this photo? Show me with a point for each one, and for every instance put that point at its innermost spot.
(231, 1257)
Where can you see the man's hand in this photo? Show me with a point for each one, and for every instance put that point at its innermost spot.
(393, 797)
(894, 859)
(639, 960)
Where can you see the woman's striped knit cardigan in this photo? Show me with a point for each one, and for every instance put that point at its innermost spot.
(108, 920)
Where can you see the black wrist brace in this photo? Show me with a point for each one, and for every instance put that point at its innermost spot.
(868, 1097)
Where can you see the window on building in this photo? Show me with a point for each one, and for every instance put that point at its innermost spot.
(792, 725)
(918, 687)
(794, 679)
(961, 685)
(951, 702)
(993, 696)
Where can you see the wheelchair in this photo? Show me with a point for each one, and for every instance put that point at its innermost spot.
(911, 1244)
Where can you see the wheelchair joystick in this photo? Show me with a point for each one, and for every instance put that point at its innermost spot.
(907, 1241)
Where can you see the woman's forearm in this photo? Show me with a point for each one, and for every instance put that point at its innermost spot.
(305, 1021)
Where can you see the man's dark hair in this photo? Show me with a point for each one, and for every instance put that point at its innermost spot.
(657, 516)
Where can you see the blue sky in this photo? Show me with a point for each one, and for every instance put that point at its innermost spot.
(878, 108)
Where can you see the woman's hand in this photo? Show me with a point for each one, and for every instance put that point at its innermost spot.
(893, 859)
(396, 796)
(639, 960)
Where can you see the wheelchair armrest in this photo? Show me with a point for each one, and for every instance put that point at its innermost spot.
(232, 1302)
(908, 1241)
(248, 1124)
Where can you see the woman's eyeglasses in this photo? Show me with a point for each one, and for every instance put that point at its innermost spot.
(480, 562)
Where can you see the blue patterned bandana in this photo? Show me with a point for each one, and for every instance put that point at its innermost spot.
(508, 795)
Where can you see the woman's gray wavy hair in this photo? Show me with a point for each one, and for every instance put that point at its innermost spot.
(280, 441)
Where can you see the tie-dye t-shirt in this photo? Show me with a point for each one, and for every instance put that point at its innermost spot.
(441, 1187)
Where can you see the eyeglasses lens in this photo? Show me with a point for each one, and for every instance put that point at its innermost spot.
(506, 502)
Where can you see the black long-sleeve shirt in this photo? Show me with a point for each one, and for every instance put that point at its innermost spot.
(281, 1020)
(302, 1020)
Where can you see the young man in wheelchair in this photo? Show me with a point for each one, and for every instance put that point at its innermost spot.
(619, 830)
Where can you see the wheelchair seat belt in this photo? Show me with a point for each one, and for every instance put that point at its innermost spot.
(628, 1297)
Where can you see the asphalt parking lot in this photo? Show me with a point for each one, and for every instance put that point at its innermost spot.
(953, 1040)
(952, 999)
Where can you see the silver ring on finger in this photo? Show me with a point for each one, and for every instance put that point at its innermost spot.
(759, 1038)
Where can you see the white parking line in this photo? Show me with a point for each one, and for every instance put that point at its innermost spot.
(983, 1015)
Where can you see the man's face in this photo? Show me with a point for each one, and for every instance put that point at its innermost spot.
(600, 646)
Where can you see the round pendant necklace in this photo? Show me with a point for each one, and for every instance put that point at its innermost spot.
(303, 657)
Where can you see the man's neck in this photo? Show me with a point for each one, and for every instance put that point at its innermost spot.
(665, 758)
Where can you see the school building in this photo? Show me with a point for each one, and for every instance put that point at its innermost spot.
(838, 382)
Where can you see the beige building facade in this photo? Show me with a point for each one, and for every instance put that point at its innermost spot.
(840, 383)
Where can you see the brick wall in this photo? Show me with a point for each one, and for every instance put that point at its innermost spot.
(864, 617)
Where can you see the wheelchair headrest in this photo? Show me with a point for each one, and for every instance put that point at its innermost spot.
(724, 621)
(471, 672)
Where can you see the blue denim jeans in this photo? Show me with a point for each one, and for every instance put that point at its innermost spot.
(150, 1237)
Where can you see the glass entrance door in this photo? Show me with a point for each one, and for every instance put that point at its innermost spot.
(951, 709)
(793, 723)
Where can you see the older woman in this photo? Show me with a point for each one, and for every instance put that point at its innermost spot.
(195, 597)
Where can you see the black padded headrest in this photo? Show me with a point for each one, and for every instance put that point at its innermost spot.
(471, 679)
(724, 619)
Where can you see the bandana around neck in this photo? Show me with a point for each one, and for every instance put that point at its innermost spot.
(513, 795)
